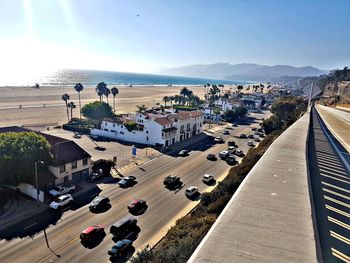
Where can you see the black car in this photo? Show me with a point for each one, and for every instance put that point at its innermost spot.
(234, 124)
(226, 132)
(211, 157)
(260, 130)
(99, 202)
(261, 135)
(251, 136)
(231, 159)
(243, 136)
(171, 181)
(95, 176)
(256, 139)
(127, 181)
(120, 248)
(254, 129)
(231, 143)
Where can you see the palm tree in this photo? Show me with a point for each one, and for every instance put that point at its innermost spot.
(79, 87)
(177, 99)
(107, 92)
(184, 91)
(65, 98)
(141, 107)
(115, 92)
(101, 89)
(165, 99)
(172, 98)
(72, 106)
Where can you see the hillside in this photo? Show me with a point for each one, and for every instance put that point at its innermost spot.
(245, 71)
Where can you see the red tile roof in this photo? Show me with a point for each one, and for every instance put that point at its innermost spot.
(163, 121)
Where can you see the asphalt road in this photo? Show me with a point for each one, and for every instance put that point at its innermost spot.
(164, 207)
(330, 182)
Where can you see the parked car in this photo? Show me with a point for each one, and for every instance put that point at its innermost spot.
(260, 130)
(224, 154)
(239, 153)
(183, 153)
(77, 135)
(95, 176)
(61, 190)
(250, 143)
(98, 203)
(218, 140)
(92, 233)
(251, 136)
(61, 201)
(191, 191)
(256, 139)
(231, 149)
(127, 181)
(124, 227)
(207, 178)
(120, 248)
(254, 129)
(231, 143)
(261, 135)
(243, 136)
(226, 132)
(211, 157)
(137, 205)
(171, 181)
(231, 159)
(234, 124)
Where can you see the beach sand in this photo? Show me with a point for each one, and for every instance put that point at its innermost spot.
(44, 106)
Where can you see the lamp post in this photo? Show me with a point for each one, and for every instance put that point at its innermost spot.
(36, 179)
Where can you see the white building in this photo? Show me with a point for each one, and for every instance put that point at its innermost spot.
(159, 129)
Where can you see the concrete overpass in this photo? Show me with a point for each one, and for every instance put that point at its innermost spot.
(294, 205)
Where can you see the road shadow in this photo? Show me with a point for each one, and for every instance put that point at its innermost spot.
(84, 198)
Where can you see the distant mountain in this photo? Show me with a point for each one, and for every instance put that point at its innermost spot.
(245, 71)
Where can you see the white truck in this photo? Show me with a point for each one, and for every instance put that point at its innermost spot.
(61, 190)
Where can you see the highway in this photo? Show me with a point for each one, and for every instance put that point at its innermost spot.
(164, 207)
(330, 182)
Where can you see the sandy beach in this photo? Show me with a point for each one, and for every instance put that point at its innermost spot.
(44, 106)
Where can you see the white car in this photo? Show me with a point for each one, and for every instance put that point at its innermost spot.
(250, 143)
(207, 178)
(61, 190)
(191, 191)
(224, 154)
(61, 201)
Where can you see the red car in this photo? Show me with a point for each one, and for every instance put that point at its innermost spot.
(137, 205)
(91, 233)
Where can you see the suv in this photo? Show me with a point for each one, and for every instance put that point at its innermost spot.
(224, 154)
(98, 203)
(120, 248)
(232, 143)
(171, 181)
(231, 159)
(191, 191)
(61, 190)
(124, 227)
(207, 178)
(61, 201)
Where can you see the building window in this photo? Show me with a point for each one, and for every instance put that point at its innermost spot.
(85, 161)
(105, 130)
(121, 132)
(62, 168)
(146, 132)
(74, 165)
(113, 125)
(147, 138)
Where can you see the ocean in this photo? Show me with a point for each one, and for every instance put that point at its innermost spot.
(92, 77)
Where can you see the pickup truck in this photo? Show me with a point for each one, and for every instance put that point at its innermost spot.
(61, 190)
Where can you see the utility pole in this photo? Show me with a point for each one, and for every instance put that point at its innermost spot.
(36, 179)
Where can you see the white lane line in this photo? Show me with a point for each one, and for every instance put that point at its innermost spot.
(340, 237)
(334, 174)
(336, 201)
(334, 178)
(337, 211)
(30, 225)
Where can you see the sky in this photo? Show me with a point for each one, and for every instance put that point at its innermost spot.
(147, 36)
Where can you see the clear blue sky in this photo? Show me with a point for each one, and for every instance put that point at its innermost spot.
(108, 34)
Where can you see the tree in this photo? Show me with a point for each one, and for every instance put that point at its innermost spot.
(79, 87)
(141, 108)
(65, 98)
(241, 111)
(72, 106)
(172, 98)
(165, 99)
(107, 92)
(97, 110)
(115, 92)
(101, 89)
(184, 91)
(18, 153)
(240, 88)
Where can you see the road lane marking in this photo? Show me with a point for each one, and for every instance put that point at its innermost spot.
(340, 255)
(336, 201)
(334, 178)
(338, 222)
(340, 237)
(30, 225)
(336, 187)
(335, 193)
(337, 211)
(334, 174)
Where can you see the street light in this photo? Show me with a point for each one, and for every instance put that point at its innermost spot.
(36, 179)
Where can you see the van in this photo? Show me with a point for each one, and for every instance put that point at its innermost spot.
(124, 227)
